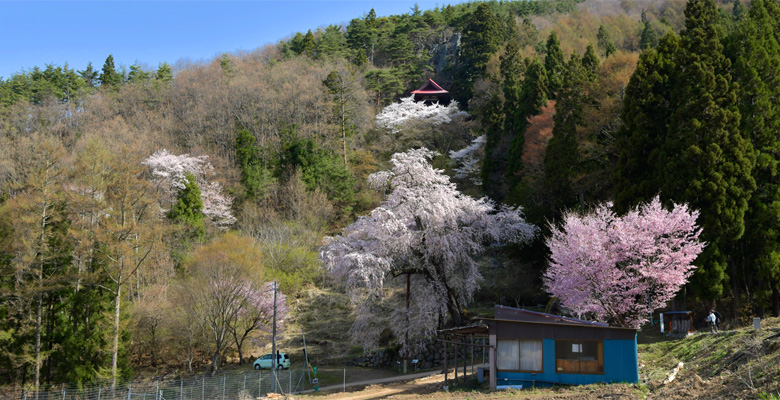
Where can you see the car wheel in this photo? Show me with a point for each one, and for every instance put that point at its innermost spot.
(257, 366)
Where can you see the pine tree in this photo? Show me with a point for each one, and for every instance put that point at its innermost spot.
(255, 177)
(188, 209)
(89, 75)
(137, 74)
(605, 43)
(109, 78)
(554, 65)
(164, 73)
(307, 45)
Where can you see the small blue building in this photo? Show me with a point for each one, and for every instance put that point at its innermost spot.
(527, 347)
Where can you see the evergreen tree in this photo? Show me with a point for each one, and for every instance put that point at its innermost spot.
(534, 92)
(385, 84)
(493, 165)
(590, 61)
(554, 65)
(562, 157)
(707, 160)
(604, 42)
(188, 209)
(307, 45)
(331, 43)
(109, 78)
(89, 75)
(738, 10)
(649, 37)
(756, 59)
(646, 111)
(483, 36)
(164, 73)
(254, 175)
(514, 111)
(137, 74)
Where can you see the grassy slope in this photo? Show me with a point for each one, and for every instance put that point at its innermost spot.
(740, 363)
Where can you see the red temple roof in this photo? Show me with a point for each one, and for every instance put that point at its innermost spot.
(430, 87)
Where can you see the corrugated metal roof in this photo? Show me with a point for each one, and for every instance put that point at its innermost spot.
(519, 314)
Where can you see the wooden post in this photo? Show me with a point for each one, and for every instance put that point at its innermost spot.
(492, 361)
(446, 368)
(455, 378)
(472, 356)
(464, 361)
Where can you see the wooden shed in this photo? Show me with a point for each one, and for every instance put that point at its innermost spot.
(679, 322)
(534, 348)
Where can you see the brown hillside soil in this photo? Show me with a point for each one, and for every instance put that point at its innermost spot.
(431, 388)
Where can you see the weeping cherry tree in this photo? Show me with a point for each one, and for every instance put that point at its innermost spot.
(425, 235)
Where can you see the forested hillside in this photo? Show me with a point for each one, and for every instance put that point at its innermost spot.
(145, 213)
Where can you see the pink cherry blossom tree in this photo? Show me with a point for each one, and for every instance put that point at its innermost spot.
(169, 172)
(621, 268)
(423, 238)
(255, 317)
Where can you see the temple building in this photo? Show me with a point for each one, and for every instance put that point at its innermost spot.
(431, 93)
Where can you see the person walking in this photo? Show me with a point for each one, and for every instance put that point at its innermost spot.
(712, 320)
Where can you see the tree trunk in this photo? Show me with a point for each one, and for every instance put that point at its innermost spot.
(343, 128)
(215, 363)
(775, 301)
(115, 344)
(39, 311)
(453, 306)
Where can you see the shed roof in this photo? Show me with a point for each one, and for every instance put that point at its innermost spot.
(518, 314)
(430, 87)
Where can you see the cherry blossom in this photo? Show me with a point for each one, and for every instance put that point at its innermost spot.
(620, 269)
(170, 172)
(395, 115)
(425, 231)
(468, 161)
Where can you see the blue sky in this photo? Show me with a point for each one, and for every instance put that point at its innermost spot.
(36, 33)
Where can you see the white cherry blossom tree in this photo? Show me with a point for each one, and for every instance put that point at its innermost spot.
(427, 234)
(395, 115)
(467, 161)
(170, 170)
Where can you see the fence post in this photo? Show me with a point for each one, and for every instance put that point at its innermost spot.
(244, 381)
(63, 391)
(345, 380)
(129, 390)
(157, 390)
(289, 384)
(181, 389)
(259, 384)
(99, 392)
(223, 386)
(203, 387)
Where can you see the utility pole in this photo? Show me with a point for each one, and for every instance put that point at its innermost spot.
(273, 344)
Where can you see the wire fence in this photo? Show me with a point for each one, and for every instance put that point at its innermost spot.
(249, 385)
